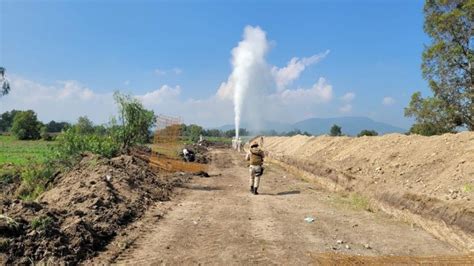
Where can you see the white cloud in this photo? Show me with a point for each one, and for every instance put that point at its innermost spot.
(73, 89)
(67, 100)
(347, 108)
(165, 93)
(320, 92)
(162, 72)
(348, 97)
(62, 100)
(286, 75)
(387, 101)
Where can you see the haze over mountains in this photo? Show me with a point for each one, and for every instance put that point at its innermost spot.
(320, 126)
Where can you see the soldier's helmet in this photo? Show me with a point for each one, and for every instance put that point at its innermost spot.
(2, 71)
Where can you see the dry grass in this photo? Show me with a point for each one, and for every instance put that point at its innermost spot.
(355, 201)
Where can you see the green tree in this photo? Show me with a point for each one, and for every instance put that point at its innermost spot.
(135, 120)
(244, 132)
(432, 115)
(193, 132)
(212, 133)
(26, 125)
(84, 125)
(447, 66)
(336, 131)
(229, 133)
(100, 130)
(54, 126)
(367, 132)
(6, 120)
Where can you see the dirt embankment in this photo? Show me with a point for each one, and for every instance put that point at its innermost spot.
(425, 180)
(83, 211)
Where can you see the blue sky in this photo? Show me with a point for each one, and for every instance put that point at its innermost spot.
(142, 46)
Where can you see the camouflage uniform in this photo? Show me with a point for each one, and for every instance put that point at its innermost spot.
(255, 156)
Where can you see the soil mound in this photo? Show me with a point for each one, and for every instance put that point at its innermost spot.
(429, 177)
(83, 211)
(199, 151)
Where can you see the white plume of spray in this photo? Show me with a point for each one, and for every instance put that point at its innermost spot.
(248, 61)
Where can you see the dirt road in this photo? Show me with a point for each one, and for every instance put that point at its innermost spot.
(217, 220)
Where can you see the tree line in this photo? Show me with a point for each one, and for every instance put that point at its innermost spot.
(25, 125)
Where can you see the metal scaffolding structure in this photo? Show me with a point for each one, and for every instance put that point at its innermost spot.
(168, 130)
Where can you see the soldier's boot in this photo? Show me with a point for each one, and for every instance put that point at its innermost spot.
(251, 189)
(255, 190)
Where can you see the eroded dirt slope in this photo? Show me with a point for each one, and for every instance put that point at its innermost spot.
(430, 180)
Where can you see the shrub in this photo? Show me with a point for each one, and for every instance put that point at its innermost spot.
(71, 144)
(33, 180)
(366, 132)
(336, 131)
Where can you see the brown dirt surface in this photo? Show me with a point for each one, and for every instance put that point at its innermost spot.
(427, 180)
(83, 212)
(216, 220)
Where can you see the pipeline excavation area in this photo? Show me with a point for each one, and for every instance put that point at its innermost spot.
(216, 220)
(389, 199)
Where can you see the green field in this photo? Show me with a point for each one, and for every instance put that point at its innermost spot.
(23, 152)
(219, 139)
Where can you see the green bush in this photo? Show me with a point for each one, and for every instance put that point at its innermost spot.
(33, 180)
(366, 132)
(71, 144)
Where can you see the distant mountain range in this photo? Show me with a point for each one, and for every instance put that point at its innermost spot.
(320, 126)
